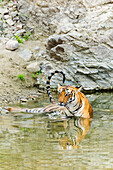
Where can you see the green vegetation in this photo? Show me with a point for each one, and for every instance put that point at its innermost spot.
(21, 77)
(21, 39)
(26, 36)
(34, 75)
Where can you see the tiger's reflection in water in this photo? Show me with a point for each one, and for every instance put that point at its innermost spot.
(69, 132)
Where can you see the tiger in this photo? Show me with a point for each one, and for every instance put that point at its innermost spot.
(74, 101)
(71, 101)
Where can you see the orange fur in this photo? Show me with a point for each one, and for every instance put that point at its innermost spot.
(82, 128)
(85, 110)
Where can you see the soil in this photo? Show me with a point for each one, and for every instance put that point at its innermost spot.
(12, 89)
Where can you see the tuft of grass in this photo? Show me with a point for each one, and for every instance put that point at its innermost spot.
(39, 72)
(21, 77)
(19, 39)
(26, 36)
(34, 75)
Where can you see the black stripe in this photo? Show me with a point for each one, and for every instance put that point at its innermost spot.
(52, 74)
(49, 77)
(46, 108)
(57, 71)
(75, 105)
(51, 98)
(77, 108)
(49, 93)
(53, 109)
(48, 82)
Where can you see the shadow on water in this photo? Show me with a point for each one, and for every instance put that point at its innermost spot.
(31, 141)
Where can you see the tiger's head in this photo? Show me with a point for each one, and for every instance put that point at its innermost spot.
(67, 94)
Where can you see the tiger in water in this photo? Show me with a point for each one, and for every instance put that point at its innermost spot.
(71, 101)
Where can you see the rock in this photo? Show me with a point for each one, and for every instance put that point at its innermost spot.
(12, 45)
(26, 54)
(10, 22)
(33, 67)
(14, 13)
(20, 32)
(81, 43)
(55, 40)
(12, 9)
(19, 26)
(3, 11)
(6, 17)
(5, 25)
(80, 38)
(40, 53)
(37, 48)
(64, 27)
(60, 52)
(1, 25)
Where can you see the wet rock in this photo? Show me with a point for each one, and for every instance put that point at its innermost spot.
(12, 45)
(33, 67)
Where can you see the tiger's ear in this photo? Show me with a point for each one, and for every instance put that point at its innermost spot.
(59, 86)
(79, 89)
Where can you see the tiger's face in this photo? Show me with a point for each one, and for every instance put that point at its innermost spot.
(66, 94)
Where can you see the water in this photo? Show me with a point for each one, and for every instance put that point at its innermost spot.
(31, 141)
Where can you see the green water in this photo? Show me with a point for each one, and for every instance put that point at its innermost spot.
(31, 141)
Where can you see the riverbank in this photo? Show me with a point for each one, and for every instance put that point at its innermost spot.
(13, 88)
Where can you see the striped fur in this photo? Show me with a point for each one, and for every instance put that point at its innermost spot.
(48, 85)
(46, 109)
(74, 101)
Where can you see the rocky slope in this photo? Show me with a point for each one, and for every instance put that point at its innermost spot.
(78, 36)
(81, 43)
